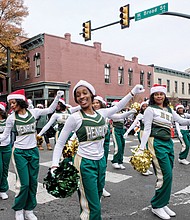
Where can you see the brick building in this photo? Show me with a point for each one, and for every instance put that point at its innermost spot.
(56, 63)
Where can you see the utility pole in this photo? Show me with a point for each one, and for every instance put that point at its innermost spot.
(9, 69)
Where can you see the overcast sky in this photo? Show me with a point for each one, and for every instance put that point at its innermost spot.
(161, 40)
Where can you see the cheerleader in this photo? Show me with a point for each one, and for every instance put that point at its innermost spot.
(90, 128)
(5, 154)
(118, 131)
(183, 135)
(59, 118)
(139, 120)
(158, 119)
(25, 150)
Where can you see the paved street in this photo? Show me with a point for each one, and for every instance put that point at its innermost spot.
(130, 192)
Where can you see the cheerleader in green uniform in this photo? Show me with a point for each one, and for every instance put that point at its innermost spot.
(183, 135)
(90, 128)
(158, 119)
(25, 150)
(5, 154)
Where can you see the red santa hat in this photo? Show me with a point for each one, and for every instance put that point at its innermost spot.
(86, 84)
(3, 106)
(40, 105)
(99, 98)
(179, 106)
(114, 102)
(142, 103)
(18, 94)
(62, 100)
(158, 88)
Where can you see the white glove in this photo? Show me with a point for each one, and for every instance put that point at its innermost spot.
(133, 111)
(140, 151)
(60, 93)
(180, 135)
(125, 135)
(52, 171)
(137, 89)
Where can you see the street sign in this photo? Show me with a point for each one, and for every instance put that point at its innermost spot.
(151, 12)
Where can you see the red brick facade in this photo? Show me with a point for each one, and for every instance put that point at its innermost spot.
(63, 62)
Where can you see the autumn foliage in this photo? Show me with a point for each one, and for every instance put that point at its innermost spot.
(12, 13)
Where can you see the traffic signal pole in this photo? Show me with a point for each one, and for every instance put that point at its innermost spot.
(133, 17)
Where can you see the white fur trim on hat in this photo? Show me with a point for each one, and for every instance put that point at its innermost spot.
(19, 94)
(99, 98)
(142, 103)
(62, 101)
(86, 84)
(179, 106)
(2, 107)
(158, 88)
(40, 105)
(16, 96)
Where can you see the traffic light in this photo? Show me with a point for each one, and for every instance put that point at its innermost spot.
(124, 15)
(86, 30)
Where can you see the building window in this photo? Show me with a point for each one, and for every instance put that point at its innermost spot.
(168, 85)
(37, 64)
(183, 88)
(107, 73)
(17, 75)
(130, 77)
(120, 75)
(27, 76)
(142, 77)
(159, 81)
(175, 87)
(149, 79)
(188, 88)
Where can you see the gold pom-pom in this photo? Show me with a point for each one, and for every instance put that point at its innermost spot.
(142, 161)
(39, 140)
(70, 148)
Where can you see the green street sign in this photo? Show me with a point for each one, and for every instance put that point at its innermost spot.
(151, 12)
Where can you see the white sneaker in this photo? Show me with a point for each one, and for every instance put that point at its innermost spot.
(29, 215)
(122, 167)
(116, 165)
(19, 215)
(169, 211)
(4, 195)
(150, 172)
(146, 173)
(106, 193)
(184, 161)
(161, 213)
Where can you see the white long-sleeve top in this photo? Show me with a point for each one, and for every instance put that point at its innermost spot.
(27, 141)
(161, 117)
(91, 150)
(182, 127)
(136, 122)
(59, 117)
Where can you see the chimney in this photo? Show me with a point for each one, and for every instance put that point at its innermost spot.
(135, 59)
(68, 37)
(97, 46)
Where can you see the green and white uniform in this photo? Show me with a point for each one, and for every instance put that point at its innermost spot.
(185, 139)
(5, 156)
(157, 124)
(26, 154)
(59, 118)
(118, 130)
(89, 160)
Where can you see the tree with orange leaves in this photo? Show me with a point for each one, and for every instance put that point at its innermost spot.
(12, 13)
